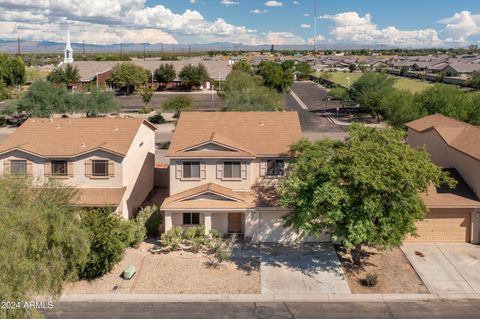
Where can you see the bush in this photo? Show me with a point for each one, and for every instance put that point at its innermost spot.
(146, 110)
(109, 237)
(173, 238)
(156, 119)
(3, 120)
(151, 218)
(370, 280)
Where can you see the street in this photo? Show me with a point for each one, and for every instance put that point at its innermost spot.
(362, 310)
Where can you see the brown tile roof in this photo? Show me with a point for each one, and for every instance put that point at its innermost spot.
(98, 197)
(63, 137)
(443, 197)
(458, 135)
(239, 200)
(259, 133)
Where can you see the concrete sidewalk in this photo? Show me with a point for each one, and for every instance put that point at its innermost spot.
(265, 298)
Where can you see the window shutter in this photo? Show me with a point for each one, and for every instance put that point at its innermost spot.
(219, 170)
(48, 168)
(70, 169)
(179, 170)
(203, 170)
(263, 168)
(244, 170)
(88, 168)
(7, 167)
(29, 168)
(111, 168)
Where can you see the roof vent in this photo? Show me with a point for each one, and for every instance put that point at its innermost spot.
(261, 123)
(50, 120)
(57, 126)
(82, 145)
(69, 121)
(115, 129)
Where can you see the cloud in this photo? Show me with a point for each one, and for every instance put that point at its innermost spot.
(282, 38)
(115, 21)
(461, 26)
(350, 27)
(258, 11)
(273, 4)
(229, 2)
(296, 2)
(305, 26)
(306, 14)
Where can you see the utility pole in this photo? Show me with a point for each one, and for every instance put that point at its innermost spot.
(18, 45)
(189, 51)
(144, 58)
(83, 48)
(121, 50)
(315, 28)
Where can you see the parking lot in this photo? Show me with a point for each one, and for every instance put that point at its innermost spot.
(201, 101)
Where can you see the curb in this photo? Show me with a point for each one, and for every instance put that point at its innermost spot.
(265, 298)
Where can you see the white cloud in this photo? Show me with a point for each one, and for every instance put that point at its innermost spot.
(461, 26)
(258, 11)
(305, 26)
(273, 4)
(350, 27)
(193, 1)
(306, 15)
(229, 2)
(281, 38)
(296, 2)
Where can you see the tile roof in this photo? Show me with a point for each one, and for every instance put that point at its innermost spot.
(443, 197)
(64, 137)
(458, 135)
(186, 199)
(99, 197)
(257, 133)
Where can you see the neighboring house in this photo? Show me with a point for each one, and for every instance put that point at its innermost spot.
(109, 161)
(460, 69)
(454, 213)
(221, 168)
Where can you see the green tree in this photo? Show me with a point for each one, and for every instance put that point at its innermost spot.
(275, 76)
(243, 66)
(194, 75)
(474, 80)
(288, 65)
(69, 74)
(400, 107)
(146, 92)
(94, 103)
(128, 76)
(177, 104)
(44, 99)
(4, 94)
(369, 90)
(12, 70)
(304, 69)
(165, 73)
(42, 242)
(365, 191)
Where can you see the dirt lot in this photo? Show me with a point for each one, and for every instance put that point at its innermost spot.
(395, 274)
(175, 273)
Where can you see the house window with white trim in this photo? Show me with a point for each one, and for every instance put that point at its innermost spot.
(275, 167)
(232, 170)
(191, 169)
(18, 167)
(191, 218)
(59, 168)
(100, 167)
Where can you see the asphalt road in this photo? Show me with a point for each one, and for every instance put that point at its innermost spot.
(201, 101)
(361, 310)
(313, 96)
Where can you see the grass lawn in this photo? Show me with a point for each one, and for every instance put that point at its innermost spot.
(412, 85)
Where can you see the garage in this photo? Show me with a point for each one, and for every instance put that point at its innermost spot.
(444, 225)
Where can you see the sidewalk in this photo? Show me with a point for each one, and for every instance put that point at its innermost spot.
(265, 298)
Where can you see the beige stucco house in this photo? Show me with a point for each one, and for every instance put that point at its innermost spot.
(219, 165)
(109, 161)
(454, 214)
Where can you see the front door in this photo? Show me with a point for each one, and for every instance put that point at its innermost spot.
(235, 222)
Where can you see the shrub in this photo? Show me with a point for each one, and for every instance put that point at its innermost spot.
(3, 120)
(109, 237)
(156, 119)
(151, 218)
(370, 280)
(172, 238)
(146, 110)
(224, 252)
(216, 234)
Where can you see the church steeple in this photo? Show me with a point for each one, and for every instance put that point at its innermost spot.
(68, 52)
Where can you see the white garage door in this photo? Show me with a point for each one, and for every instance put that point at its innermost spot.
(271, 230)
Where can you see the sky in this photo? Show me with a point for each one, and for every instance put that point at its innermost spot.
(403, 23)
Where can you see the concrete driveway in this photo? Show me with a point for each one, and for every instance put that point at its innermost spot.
(301, 269)
(446, 267)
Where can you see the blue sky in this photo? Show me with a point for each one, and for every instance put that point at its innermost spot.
(406, 23)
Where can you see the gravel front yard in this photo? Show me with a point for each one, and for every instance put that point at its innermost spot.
(395, 273)
(175, 273)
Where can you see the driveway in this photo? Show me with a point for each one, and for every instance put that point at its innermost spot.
(301, 269)
(446, 267)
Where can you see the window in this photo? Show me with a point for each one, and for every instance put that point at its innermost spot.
(59, 168)
(231, 169)
(275, 167)
(18, 167)
(191, 218)
(191, 169)
(100, 168)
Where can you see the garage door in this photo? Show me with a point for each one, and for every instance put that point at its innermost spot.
(444, 225)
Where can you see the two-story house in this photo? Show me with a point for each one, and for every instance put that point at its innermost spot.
(216, 162)
(454, 214)
(109, 161)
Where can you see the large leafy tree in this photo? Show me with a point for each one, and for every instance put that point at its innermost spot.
(42, 242)
(69, 74)
(369, 90)
(474, 80)
(245, 92)
(93, 103)
(194, 75)
(304, 70)
(275, 76)
(128, 76)
(12, 69)
(165, 73)
(399, 107)
(44, 99)
(177, 104)
(365, 191)
(243, 66)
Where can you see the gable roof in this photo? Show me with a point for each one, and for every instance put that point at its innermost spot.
(456, 134)
(251, 133)
(187, 199)
(64, 137)
(98, 197)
